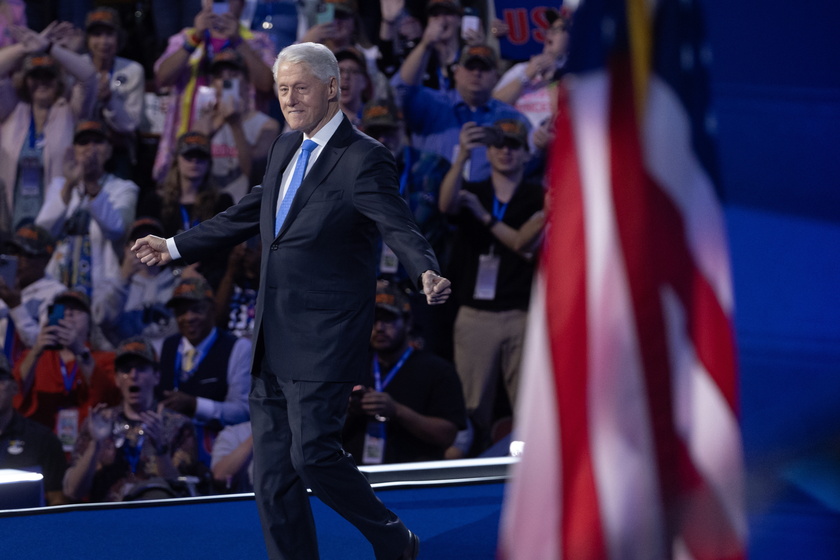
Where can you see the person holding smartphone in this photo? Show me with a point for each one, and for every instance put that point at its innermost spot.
(26, 294)
(61, 377)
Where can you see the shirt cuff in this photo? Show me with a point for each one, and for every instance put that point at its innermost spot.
(204, 409)
(173, 249)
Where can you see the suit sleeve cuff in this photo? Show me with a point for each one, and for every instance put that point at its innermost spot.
(173, 249)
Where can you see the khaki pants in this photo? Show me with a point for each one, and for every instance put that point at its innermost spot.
(488, 344)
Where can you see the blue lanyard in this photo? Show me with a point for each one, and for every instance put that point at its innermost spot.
(406, 170)
(68, 377)
(185, 218)
(200, 352)
(34, 137)
(499, 209)
(379, 385)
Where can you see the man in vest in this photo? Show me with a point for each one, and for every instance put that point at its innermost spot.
(204, 371)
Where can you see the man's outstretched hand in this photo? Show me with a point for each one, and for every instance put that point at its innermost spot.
(436, 287)
(152, 250)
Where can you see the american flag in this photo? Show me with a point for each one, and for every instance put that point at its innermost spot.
(629, 403)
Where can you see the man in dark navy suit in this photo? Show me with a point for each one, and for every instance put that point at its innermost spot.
(316, 303)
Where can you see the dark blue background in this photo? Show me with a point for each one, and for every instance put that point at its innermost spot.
(776, 87)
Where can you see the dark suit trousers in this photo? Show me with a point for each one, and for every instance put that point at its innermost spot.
(297, 444)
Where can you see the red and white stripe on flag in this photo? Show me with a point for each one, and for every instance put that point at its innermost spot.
(628, 407)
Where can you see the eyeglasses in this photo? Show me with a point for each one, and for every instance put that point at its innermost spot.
(509, 143)
(85, 140)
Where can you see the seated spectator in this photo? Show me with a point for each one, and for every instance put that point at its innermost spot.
(499, 221)
(184, 68)
(188, 196)
(435, 117)
(236, 299)
(127, 449)
(528, 85)
(23, 305)
(205, 372)
(233, 459)
(355, 88)
(411, 405)
(135, 304)
(61, 378)
(36, 120)
(27, 445)
(88, 211)
(122, 83)
(240, 136)
(437, 53)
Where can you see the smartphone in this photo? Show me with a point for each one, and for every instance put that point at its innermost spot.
(55, 314)
(469, 22)
(230, 90)
(326, 14)
(8, 269)
(491, 135)
(205, 98)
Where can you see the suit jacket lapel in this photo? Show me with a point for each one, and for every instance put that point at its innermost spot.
(328, 158)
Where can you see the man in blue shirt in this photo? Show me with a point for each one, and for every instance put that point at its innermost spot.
(435, 117)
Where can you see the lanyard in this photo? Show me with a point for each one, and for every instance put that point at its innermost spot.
(200, 352)
(68, 377)
(406, 170)
(34, 138)
(185, 218)
(379, 385)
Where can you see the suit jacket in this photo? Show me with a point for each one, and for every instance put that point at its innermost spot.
(318, 275)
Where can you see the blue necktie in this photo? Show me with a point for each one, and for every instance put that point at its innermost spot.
(294, 184)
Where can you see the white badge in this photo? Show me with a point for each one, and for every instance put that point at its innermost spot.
(389, 262)
(374, 450)
(488, 274)
(67, 427)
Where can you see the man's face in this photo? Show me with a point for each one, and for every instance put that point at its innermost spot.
(79, 320)
(31, 267)
(509, 157)
(475, 78)
(353, 82)
(136, 379)
(195, 319)
(304, 99)
(389, 331)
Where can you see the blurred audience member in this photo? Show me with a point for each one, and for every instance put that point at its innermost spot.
(411, 405)
(61, 378)
(121, 86)
(88, 210)
(236, 298)
(135, 304)
(184, 68)
(432, 62)
(138, 446)
(240, 135)
(205, 371)
(355, 87)
(498, 222)
(12, 14)
(188, 196)
(531, 86)
(37, 120)
(233, 459)
(23, 304)
(345, 30)
(27, 445)
(435, 117)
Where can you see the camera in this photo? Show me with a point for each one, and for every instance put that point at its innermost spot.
(491, 136)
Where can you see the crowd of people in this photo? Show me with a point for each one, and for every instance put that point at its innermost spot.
(122, 381)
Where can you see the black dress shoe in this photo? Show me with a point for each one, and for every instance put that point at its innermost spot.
(412, 549)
